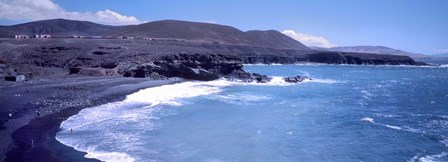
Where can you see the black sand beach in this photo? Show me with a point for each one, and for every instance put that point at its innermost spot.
(31, 112)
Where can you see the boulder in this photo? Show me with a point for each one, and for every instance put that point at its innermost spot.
(296, 79)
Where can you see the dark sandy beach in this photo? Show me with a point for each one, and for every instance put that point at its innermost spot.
(31, 112)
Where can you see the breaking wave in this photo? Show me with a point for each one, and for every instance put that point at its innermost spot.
(101, 122)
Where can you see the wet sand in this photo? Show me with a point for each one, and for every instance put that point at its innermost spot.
(32, 112)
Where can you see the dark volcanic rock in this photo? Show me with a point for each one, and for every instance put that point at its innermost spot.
(258, 78)
(100, 53)
(109, 65)
(241, 75)
(296, 79)
(195, 67)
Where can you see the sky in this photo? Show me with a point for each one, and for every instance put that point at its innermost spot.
(419, 26)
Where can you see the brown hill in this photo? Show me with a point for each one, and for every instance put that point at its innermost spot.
(206, 32)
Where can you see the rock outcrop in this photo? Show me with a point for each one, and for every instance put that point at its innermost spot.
(194, 67)
(296, 79)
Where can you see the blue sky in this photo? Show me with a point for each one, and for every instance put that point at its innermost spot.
(413, 25)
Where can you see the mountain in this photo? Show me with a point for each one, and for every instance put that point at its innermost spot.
(386, 50)
(172, 29)
(206, 32)
(58, 28)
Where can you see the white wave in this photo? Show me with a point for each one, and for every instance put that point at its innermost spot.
(445, 141)
(324, 81)
(310, 64)
(92, 153)
(280, 81)
(258, 64)
(275, 81)
(393, 127)
(241, 98)
(428, 158)
(368, 119)
(406, 128)
(366, 94)
(79, 130)
(276, 64)
(109, 156)
(386, 115)
(170, 94)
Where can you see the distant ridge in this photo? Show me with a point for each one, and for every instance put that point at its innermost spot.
(386, 50)
(58, 27)
(207, 32)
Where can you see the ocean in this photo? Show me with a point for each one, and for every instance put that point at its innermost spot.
(346, 113)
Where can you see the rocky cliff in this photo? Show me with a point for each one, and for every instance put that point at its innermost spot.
(162, 49)
(163, 58)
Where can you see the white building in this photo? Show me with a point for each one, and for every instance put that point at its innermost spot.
(45, 36)
(78, 36)
(21, 36)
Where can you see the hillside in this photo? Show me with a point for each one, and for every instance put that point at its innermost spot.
(205, 32)
(58, 28)
(180, 43)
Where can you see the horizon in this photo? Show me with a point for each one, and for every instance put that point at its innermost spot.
(336, 24)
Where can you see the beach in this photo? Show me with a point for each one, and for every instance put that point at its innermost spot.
(32, 112)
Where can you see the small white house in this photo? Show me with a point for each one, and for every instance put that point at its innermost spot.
(21, 36)
(78, 36)
(45, 36)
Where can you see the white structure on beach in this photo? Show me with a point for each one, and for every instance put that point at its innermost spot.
(21, 36)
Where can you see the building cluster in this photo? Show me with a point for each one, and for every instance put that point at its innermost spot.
(22, 36)
(122, 37)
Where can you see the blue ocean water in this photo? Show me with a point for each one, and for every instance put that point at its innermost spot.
(347, 113)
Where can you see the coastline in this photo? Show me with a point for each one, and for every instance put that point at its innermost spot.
(38, 107)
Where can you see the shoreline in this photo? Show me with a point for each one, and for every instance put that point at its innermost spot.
(34, 123)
